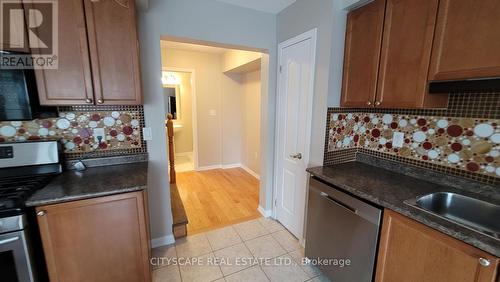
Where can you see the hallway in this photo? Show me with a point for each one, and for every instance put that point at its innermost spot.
(217, 198)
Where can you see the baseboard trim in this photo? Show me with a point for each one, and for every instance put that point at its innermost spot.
(253, 173)
(302, 242)
(183, 154)
(263, 212)
(228, 166)
(162, 241)
(208, 167)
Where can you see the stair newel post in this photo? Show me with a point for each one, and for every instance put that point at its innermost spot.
(171, 153)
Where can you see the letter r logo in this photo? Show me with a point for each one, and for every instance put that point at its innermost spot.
(29, 26)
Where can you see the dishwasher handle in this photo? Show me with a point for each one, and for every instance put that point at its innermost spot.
(338, 203)
(349, 203)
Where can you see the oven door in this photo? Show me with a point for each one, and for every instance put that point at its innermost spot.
(15, 265)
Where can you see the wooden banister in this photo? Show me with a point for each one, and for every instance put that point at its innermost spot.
(171, 153)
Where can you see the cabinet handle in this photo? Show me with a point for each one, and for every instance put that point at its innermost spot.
(377, 103)
(41, 213)
(484, 262)
(100, 101)
(369, 103)
(88, 101)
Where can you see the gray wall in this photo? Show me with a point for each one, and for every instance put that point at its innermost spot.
(205, 20)
(329, 19)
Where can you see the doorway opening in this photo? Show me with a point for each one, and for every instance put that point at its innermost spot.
(213, 98)
(179, 101)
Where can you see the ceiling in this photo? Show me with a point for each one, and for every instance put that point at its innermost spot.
(268, 6)
(192, 47)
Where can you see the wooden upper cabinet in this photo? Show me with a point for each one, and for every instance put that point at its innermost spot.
(361, 55)
(71, 83)
(405, 56)
(114, 51)
(467, 40)
(411, 251)
(101, 239)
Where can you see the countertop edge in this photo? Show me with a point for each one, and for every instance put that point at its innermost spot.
(85, 196)
(412, 213)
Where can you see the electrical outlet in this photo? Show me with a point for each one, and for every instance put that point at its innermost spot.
(398, 138)
(99, 135)
(147, 135)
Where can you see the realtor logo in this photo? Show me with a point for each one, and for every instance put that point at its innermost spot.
(28, 34)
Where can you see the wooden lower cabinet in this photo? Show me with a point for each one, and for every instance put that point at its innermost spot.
(99, 239)
(411, 251)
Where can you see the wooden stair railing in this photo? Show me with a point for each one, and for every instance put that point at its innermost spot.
(180, 220)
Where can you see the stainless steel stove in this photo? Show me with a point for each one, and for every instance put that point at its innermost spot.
(24, 168)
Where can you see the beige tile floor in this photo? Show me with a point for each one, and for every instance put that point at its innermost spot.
(256, 250)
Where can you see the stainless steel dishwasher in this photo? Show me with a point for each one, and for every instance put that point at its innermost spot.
(340, 228)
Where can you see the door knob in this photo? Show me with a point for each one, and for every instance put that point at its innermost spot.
(88, 101)
(297, 156)
(377, 103)
(484, 262)
(100, 101)
(369, 103)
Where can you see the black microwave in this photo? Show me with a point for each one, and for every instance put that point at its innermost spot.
(19, 95)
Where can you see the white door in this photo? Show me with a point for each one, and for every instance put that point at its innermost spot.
(294, 106)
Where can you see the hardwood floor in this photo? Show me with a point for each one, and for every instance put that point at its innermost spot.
(217, 198)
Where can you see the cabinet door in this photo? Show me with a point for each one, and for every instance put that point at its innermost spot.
(114, 51)
(467, 40)
(410, 251)
(101, 239)
(405, 57)
(361, 54)
(71, 83)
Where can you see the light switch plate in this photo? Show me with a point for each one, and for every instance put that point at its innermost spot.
(99, 135)
(147, 135)
(398, 138)
(212, 113)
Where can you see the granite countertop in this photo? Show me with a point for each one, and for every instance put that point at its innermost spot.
(389, 189)
(94, 182)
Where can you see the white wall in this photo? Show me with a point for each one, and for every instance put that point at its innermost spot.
(337, 54)
(206, 20)
(250, 115)
(235, 58)
(221, 137)
(208, 83)
(301, 16)
(231, 125)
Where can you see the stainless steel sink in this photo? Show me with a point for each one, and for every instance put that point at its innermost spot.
(478, 215)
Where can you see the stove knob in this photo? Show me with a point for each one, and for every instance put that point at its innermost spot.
(41, 213)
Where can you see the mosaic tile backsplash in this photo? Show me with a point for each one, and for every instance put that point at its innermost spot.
(78, 130)
(469, 144)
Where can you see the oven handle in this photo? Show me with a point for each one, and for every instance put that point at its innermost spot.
(6, 241)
